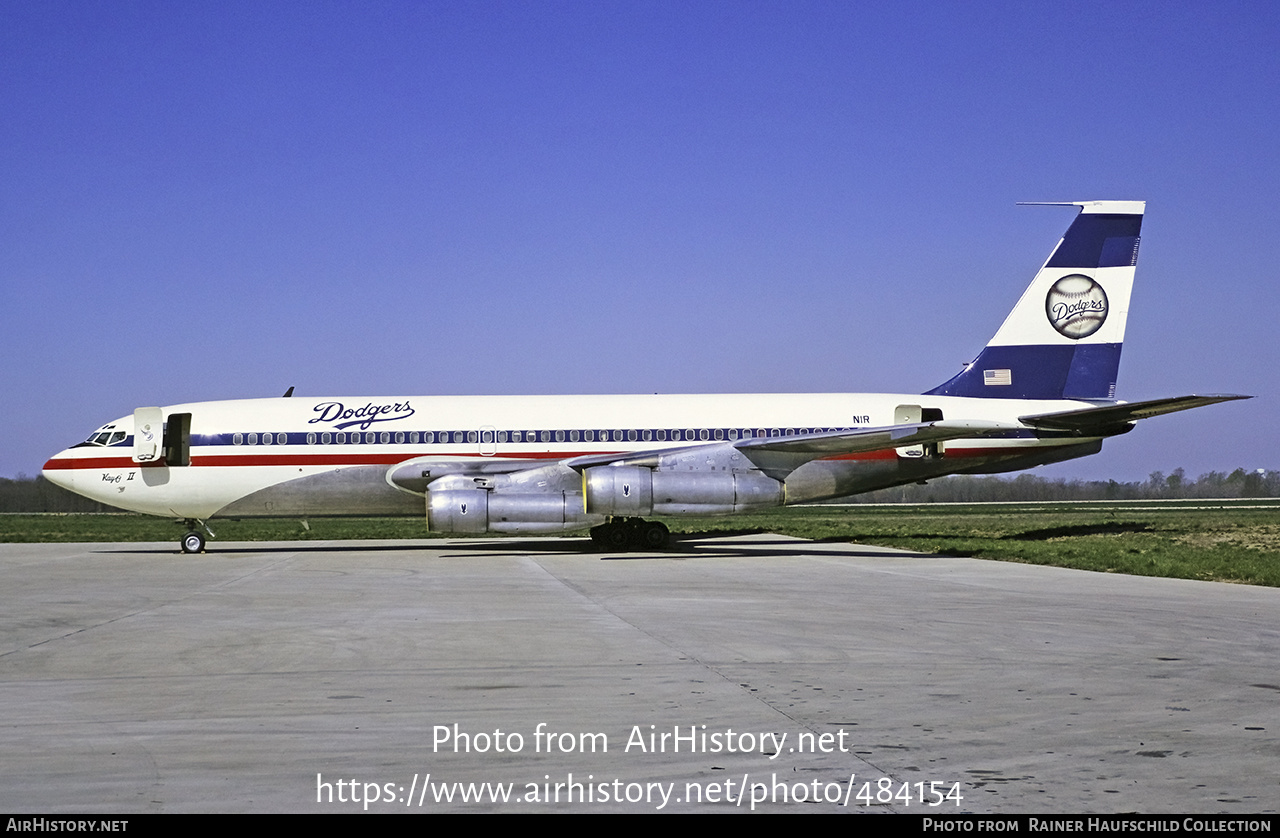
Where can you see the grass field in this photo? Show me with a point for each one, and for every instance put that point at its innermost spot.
(1226, 541)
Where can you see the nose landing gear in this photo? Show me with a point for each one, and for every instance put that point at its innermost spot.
(194, 541)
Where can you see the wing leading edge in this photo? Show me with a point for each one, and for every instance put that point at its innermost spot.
(779, 456)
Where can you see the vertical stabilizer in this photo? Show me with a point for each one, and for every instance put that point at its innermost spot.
(1063, 338)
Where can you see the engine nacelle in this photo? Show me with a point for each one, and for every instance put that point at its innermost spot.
(476, 511)
(635, 490)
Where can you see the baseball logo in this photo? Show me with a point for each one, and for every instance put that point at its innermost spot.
(1076, 306)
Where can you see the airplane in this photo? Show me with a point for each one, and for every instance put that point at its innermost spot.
(1041, 391)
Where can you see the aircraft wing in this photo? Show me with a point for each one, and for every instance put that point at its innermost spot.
(415, 474)
(1098, 420)
(778, 456)
(860, 440)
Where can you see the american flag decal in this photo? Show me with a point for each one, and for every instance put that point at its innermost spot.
(997, 378)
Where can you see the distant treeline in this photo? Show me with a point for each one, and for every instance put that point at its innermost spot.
(1028, 487)
(35, 494)
(26, 494)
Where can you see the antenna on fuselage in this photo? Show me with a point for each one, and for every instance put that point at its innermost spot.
(287, 393)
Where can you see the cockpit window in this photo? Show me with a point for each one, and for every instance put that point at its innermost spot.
(106, 435)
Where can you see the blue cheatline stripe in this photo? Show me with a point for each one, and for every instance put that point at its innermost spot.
(1099, 241)
(472, 437)
(1084, 371)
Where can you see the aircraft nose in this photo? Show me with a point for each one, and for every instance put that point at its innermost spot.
(56, 471)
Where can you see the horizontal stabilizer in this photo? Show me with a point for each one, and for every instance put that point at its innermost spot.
(1097, 418)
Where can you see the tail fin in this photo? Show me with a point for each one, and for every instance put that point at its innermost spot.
(1062, 340)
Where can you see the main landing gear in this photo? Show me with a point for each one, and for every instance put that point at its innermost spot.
(631, 533)
(193, 541)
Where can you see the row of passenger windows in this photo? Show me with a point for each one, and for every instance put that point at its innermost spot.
(490, 437)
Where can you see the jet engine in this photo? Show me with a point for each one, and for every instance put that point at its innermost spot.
(635, 490)
(466, 511)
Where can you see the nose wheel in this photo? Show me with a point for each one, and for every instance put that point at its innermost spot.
(194, 541)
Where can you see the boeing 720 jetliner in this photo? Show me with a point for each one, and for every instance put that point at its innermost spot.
(1042, 391)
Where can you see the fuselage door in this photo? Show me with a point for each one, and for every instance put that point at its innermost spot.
(177, 439)
(148, 434)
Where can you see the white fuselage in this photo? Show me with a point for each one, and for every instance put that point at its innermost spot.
(336, 456)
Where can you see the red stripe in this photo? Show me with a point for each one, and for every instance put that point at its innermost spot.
(886, 454)
(303, 459)
(90, 462)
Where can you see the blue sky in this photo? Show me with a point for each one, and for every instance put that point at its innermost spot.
(221, 200)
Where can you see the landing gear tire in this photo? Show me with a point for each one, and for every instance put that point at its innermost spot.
(193, 542)
(632, 533)
(612, 537)
(653, 535)
(615, 537)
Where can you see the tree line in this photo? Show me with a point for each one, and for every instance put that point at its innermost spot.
(1240, 483)
(35, 494)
